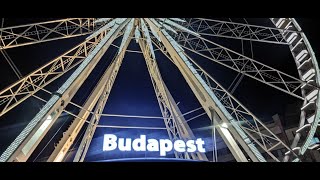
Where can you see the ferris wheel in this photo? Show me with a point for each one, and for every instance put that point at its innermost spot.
(183, 42)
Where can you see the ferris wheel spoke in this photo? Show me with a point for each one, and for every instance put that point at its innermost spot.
(248, 122)
(234, 30)
(22, 35)
(241, 64)
(16, 93)
(264, 137)
(19, 151)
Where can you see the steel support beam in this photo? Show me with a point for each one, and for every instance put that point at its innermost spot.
(16, 93)
(242, 64)
(176, 125)
(205, 99)
(23, 146)
(73, 131)
(94, 121)
(249, 123)
(229, 106)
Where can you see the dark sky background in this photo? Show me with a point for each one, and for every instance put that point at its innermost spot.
(133, 93)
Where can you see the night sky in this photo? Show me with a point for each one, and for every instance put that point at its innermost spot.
(133, 94)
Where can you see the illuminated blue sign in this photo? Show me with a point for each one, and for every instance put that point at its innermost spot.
(112, 142)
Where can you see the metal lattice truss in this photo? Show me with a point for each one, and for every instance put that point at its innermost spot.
(22, 147)
(16, 93)
(227, 29)
(247, 121)
(46, 31)
(174, 121)
(99, 95)
(114, 69)
(164, 104)
(175, 38)
(241, 63)
(250, 124)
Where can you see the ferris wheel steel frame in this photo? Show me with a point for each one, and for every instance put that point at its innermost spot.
(171, 36)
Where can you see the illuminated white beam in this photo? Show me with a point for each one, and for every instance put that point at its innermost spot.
(107, 26)
(153, 31)
(102, 20)
(147, 35)
(162, 25)
(126, 35)
(137, 34)
(170, 29)
(168, 21)
(153, 23)
(53, 107)
(177, 19)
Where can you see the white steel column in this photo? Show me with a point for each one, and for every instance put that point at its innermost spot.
(177, 126)
(207, 100)
(23, 146)
(70, 135)
(19, 91)
(87, 138)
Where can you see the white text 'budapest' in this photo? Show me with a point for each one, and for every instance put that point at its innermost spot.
(112, 142)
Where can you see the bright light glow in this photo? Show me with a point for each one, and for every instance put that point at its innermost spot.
(163, 146)
(224, 125)
(33, 140)
(59, 157)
